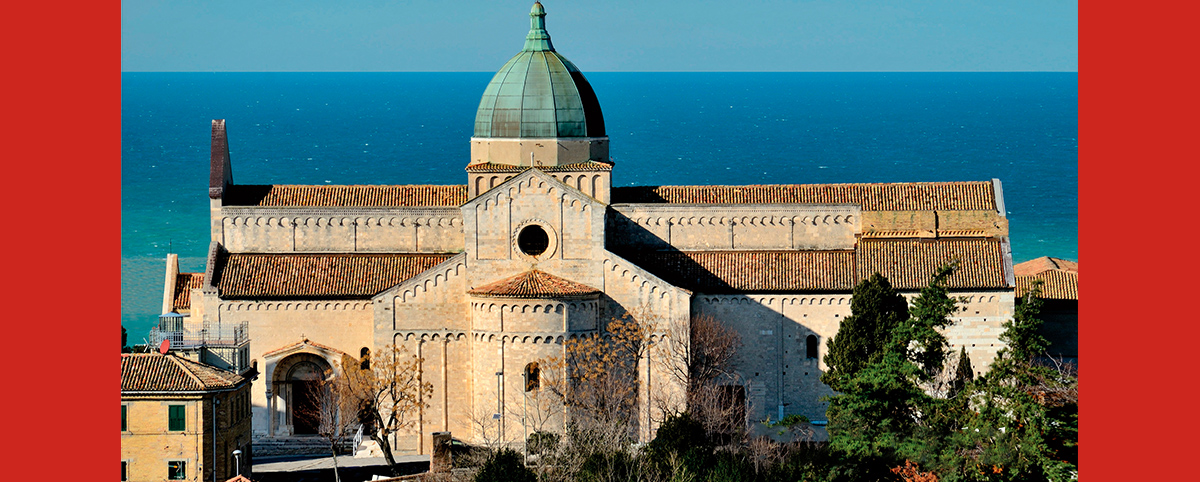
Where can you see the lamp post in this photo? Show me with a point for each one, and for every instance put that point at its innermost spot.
(237, 462)
(524, 416)
(499, 408)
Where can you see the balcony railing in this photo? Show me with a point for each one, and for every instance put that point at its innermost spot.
(209, 335)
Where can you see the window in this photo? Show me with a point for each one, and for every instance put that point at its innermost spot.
(124, 467)
(176, 470)
(175, 418)
(810, 347)
(124, 421)
(533, 375)
(533, 240)
(365, 356)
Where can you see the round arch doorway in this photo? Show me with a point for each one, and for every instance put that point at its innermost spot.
(302, 375)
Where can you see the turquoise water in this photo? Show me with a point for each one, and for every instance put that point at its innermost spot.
(665, 128)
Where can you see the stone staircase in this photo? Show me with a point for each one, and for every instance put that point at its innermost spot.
(301, 445)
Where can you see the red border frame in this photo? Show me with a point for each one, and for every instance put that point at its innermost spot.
(1137, 108)
(62, 147)
(1137, 172)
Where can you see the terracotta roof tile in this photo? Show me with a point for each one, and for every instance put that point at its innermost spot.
(1037, 265)
(582, 166)
(752, 271)
(1057, 284)
(909, 264)
(304, 343)
(152, 372)
(280, 195)
(923, 196)
(320, 276)
(184, 282)
(1060, 277)
(534, 284)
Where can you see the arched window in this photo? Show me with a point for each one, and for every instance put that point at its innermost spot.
(533, 375)
(810, 347)
(365, 356)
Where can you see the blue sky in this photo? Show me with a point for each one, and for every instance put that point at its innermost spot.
(621, 35)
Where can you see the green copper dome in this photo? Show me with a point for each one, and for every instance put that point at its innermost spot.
(539, 93)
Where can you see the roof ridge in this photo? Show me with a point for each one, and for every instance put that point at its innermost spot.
(191, 374)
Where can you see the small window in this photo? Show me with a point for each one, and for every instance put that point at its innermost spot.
(124, 469)
(124, 421)
(177, 470)
(175, 418)
(810, 347)
(365, 356)
(533, 375)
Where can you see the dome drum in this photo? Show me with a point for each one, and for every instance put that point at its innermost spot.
(534, 152)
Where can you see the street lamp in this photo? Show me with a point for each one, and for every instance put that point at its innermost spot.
(237, 462)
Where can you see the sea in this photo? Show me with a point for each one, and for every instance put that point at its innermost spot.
(682, 128)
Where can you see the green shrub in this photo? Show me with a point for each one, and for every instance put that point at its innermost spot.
(505, 466)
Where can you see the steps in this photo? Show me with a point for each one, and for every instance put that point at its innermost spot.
(303, 445)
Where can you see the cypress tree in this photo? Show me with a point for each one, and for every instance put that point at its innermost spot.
(876, 309)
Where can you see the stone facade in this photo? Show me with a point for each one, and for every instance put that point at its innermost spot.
(322, 272)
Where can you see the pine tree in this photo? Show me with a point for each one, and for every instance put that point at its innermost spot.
(878, 362)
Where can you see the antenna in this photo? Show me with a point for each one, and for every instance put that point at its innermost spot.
(165, 346)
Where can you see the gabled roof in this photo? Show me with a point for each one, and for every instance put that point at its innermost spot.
(911, 196)
(366, 196)
(300, 345)
(153, 372)
(1044, 263)
(1060, 278)
(534, 284)
(184, 282)
(316, 276)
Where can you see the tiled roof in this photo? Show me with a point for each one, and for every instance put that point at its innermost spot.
(1060, 277)
(910, 264)
(152, 372)
(752, 271)
(1056, 284)
(184, 282)
(280, 195)
(922, 196)
(534, 284)
(1037, 265)
(301, 344)
(582, 166)
(319, 276)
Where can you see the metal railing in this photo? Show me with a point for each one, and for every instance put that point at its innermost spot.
(211, 334)
(358, 436)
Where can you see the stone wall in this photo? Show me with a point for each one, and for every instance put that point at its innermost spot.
(341, 325)
(776, 368)
(285, 230)
(733, 227)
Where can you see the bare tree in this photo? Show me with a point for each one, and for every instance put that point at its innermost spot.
(334, 413)
(705, 366)
(388, 392)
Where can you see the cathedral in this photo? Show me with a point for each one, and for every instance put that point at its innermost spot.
(482, 279)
